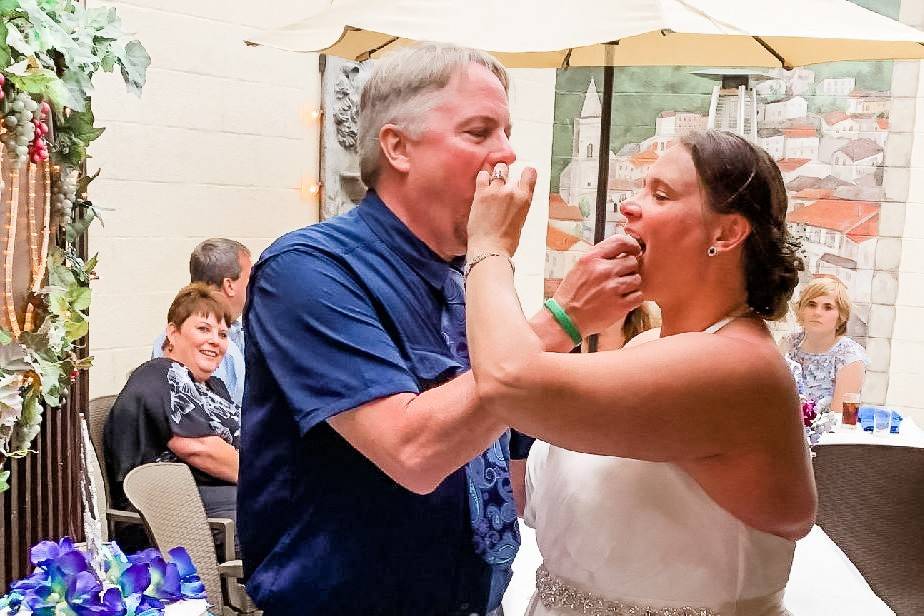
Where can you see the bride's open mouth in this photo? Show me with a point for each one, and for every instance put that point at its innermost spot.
(641, 242)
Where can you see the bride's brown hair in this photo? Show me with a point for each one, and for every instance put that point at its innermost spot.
(739, 177)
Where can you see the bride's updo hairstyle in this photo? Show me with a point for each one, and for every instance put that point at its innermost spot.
(739, 177)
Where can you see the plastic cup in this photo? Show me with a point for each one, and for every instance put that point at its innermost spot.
(882, 420)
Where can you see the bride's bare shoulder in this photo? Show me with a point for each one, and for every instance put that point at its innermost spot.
(645, 336)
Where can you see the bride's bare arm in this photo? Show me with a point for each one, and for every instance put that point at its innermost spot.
(678, 398)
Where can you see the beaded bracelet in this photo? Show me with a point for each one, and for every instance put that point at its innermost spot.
(471, 264)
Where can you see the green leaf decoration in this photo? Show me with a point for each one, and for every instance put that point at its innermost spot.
(79, 88)
(8, 6)
(134, 61)
(80, 298)
(51, 49)
(15, 40)
(13, 358)
(84, 182)
(80, 125)
(29, 77)
(5, 52)
(4, 481)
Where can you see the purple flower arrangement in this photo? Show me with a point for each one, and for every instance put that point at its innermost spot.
(816, 420)
(65, 582)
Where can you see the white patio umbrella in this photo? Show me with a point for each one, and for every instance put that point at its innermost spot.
(552, 33)
(562, 33)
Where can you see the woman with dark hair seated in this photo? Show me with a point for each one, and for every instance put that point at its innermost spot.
(678, 478)
(173, 410)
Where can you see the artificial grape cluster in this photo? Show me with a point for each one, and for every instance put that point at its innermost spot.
(38, 149)
(63, 193)
(20, 130)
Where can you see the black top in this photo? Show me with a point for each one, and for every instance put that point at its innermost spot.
(161, 400)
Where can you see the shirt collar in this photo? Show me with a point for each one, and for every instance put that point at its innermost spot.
(400, 240)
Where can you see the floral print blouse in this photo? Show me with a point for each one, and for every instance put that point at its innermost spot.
(819, 370)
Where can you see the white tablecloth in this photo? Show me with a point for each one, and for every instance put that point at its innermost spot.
(823, 581)
(909, 435)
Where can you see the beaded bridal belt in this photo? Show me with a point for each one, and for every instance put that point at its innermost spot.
(555, 593)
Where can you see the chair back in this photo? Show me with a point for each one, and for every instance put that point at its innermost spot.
(871, 504)
(95, 479)
(96, 422)
(167, 497)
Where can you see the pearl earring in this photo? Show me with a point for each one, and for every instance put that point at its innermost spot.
(713, 251)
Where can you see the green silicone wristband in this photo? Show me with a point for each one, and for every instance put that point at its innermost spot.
(564, 320)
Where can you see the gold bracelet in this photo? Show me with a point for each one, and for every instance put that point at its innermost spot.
(471, 264)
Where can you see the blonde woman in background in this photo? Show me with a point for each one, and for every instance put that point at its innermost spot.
(639, 320)
(833, 365)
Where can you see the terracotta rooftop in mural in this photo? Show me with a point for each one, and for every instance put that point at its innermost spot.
(559, 210)
(644, 159)
(620, 184)
(800, 132)
(861, 149)
(859, 220)
(765, 132)
(556, 239)
(813, 194)
(799, 123)
(791, 164)
(807, 181)
(835, 117)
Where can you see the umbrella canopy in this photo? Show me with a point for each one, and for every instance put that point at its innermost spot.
(557, 33)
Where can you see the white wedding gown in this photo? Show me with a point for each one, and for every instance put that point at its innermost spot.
(617, 533)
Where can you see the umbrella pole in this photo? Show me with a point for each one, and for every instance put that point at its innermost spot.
(603, 166)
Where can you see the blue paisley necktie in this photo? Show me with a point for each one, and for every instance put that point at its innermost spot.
(492, 508)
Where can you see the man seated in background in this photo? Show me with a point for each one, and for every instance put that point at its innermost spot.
(224, 264)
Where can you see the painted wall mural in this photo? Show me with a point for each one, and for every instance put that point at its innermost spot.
(827, 127)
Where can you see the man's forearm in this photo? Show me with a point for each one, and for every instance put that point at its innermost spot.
(419, 440)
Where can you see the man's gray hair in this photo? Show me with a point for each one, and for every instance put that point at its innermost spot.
(400, 90)
(216, 259)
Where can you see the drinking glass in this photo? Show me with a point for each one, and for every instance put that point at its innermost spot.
(882, 420)
(849, 410)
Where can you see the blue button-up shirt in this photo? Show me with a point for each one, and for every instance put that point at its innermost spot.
(340, 314)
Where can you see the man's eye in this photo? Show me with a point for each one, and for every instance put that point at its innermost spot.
(660, 196)
(479, 133)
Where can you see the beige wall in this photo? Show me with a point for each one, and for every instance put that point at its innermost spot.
(532, 109)
(216, 146)
(906, 369)
(219, 145)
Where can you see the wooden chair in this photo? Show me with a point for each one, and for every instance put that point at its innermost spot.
(871, 504)
(167, 497)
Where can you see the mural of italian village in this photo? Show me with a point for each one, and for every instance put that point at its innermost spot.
(826, 126)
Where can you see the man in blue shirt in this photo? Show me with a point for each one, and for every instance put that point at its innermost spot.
(370, 480)
(224, 264)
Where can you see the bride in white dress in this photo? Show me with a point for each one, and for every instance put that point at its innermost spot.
(678, 479)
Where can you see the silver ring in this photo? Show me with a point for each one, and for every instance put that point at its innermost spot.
(498, 174)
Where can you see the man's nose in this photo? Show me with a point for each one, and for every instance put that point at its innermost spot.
(502, 152)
